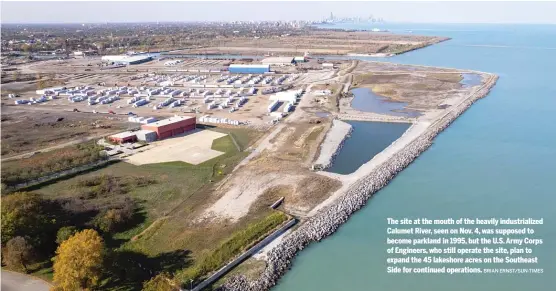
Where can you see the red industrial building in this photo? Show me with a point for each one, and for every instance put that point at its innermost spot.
(171, 126)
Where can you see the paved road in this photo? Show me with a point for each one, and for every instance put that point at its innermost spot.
(12, 281)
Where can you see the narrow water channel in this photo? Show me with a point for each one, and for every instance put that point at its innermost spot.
(367, 139)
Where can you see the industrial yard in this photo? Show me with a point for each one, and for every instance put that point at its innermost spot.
(236, 93)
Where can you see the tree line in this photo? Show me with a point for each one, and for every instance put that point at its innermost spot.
(34, 229)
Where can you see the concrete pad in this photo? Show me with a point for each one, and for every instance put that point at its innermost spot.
(194, 148)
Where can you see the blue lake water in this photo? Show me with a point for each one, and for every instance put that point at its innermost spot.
(470, 80)
(366, 100)
(496, 160)
(376, 136)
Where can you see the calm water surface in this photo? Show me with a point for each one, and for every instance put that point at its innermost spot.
(364, 99)
(497, 160)
(470, 80)
(376, 136)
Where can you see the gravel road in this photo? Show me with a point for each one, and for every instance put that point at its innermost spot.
(12, 281)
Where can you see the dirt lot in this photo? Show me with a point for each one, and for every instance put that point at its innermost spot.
(26, 131)
(275, 178)
(320, 42)
(193, 148)
(281, 170)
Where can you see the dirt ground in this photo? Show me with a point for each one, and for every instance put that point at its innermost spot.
(193, 148)
(324, 42)
(26, 131)
(281, 170)
(266, 180)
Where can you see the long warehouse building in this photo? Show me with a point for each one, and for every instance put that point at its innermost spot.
(248, 69)
(127, 60)
(171, 126)
(278, 61)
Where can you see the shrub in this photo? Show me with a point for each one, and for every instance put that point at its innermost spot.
(114, 219)
(160, 282)
(28, 215)
(18, 253)
(64, 233)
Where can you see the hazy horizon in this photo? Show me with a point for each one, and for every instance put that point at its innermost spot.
(48, 12)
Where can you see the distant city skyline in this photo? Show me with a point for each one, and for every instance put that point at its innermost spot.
(418, 12)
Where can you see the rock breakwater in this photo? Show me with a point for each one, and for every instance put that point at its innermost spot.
(328, 219)
(332, 144)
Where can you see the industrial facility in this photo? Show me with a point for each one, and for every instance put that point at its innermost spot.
(171, 126)
(127, 60)
(249, 69)
(278, 61)
(157, 130)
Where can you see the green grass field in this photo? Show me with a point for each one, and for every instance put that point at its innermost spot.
(230, 248)
(167, 237)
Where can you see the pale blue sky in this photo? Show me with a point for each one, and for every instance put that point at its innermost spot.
(429, 12)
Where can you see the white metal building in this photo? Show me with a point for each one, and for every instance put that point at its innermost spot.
(286, 96)
(125, 59)
(278, 61)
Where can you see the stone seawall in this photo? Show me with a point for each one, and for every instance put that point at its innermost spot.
(332, 144)
(328, 219)
(244, 256)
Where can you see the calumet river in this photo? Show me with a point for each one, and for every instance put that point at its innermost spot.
(496, 160)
